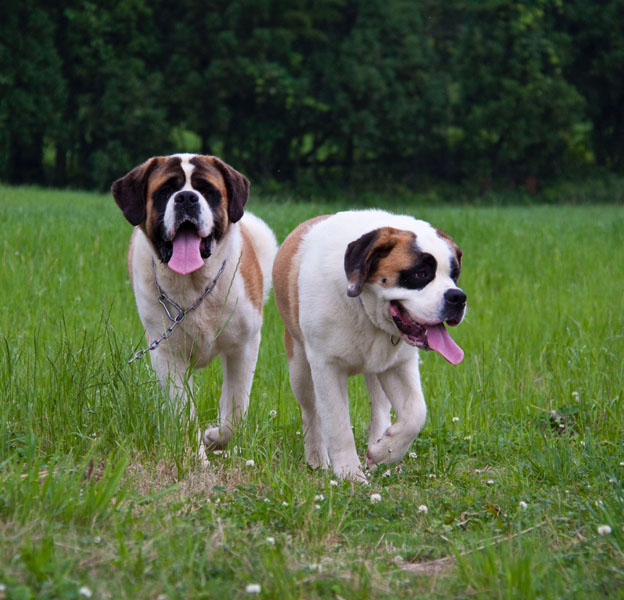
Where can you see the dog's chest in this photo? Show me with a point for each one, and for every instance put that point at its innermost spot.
(366, 353)
(222, 321)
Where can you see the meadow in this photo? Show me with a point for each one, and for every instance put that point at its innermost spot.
(512, 490)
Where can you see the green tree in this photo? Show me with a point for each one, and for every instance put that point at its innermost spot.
(515, 110)
(597, 72)
(32, 90)
(115, 115)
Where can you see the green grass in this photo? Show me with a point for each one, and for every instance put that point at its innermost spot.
(98, 487)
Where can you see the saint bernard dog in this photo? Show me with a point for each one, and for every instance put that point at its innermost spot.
(360, 292)
(192, 247)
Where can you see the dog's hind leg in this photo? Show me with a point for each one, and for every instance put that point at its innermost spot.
(303, 389)
(238, 372)
(380, 409)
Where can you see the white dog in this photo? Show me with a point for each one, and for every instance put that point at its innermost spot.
(193, 252)
(359, 292)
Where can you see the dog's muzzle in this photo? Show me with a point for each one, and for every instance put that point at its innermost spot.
(454, 306)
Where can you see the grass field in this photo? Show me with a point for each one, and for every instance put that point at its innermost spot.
(101, 497)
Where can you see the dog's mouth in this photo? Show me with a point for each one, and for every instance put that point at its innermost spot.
(188, 250)
(427, 337)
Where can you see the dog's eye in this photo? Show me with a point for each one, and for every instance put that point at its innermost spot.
(420, 274)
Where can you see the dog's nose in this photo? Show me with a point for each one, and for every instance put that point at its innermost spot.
(186, 198)
(455, 297)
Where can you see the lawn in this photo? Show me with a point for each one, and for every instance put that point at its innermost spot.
(512, 490)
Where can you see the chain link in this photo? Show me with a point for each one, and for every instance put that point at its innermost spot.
(182, 312)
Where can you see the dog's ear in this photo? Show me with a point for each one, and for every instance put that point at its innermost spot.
(130, 192)
(456, 249)
(237, 186)
(363, 254)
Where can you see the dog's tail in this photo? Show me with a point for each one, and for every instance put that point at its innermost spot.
(265, 244)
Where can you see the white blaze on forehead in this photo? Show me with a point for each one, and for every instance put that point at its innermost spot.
(187, 167)
(205, 214)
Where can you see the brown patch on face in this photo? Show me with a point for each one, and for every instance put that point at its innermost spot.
(378, 257)
(456, 249)
(234, 185)
(166, 178)
(250, 271)
(285, 281)
(207, 179)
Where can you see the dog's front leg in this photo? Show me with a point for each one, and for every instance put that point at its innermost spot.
(402, 386)
(175, 379)
(330, 388)
(238, 372)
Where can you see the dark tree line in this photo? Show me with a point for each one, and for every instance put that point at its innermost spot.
(495, 90)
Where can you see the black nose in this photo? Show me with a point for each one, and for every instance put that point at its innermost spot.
(186, 198)
(455, 297)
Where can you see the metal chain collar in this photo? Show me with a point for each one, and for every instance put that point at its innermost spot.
(182, 312)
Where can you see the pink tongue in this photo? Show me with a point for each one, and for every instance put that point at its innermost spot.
(186, 257)
(440, 341)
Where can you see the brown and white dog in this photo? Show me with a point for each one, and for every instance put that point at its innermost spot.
(359, 292)
(188, 213)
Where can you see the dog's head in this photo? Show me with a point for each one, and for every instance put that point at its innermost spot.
(407, 280)
(184, 203)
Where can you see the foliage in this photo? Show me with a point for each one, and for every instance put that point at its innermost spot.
(325, 90)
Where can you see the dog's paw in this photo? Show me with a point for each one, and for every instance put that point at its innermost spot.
(216, 438)
(391, 448)
(317, 459)
(351, 473)
(202, 456)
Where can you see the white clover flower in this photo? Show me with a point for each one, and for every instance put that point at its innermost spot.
(317, 506)
(455, 419)
(423, 509)
(271, 540)
(604, 530)
(575, 394)
(622, 463)
(412, 455)
(217, 452)
(319, 497)
(468, 438)
(387, 473)
(85, 591)
(333, 482)
(2, 588)
(490, 482)
(523, 505)
(266, 500)
(253, 588)
(432, 475)
(250, 463)
(284, 503)
(162, 597)
(375, 498)
(273, 414)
